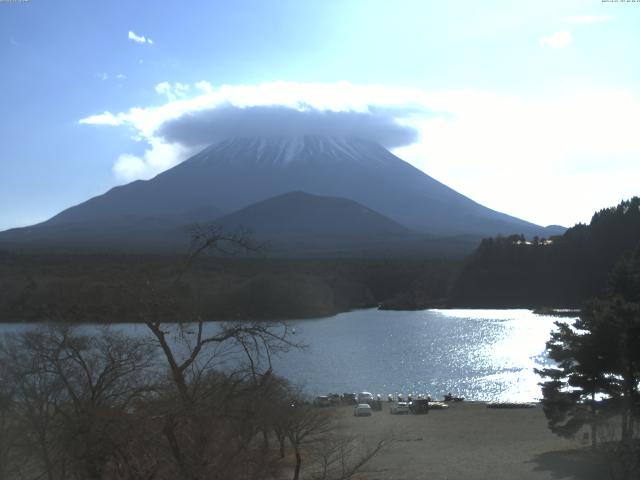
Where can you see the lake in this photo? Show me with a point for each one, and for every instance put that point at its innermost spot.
(475, 354)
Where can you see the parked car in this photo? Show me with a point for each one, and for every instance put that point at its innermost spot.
(450, 398)
(365, 397)
(420, 406)
(438, 405)
(398, 408)
(334, 399)
(362, 410)
(349, 398)
(322, 401)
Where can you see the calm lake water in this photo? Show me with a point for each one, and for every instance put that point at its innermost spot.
(476, 354)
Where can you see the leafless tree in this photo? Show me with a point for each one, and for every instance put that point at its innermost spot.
(328, 452)
(215, 374)
(304, 424)
(340, 456)
(74, 393)
(7, 425)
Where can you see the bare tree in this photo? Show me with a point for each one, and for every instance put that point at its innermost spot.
(215, 373)
(304, 424)
(320, 447)
(7, 425)
(341, 457)
(74, 394)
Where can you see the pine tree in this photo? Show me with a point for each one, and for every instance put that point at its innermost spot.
(597, 357)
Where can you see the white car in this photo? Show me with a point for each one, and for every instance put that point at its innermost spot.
(399, 408)
(362, 410)
(365, 397)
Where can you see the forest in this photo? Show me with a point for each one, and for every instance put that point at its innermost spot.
(562, 271)
(110, 288)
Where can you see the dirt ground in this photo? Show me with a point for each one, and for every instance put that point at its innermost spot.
(470, 441)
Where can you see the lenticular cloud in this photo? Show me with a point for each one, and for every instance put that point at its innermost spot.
(209, 126)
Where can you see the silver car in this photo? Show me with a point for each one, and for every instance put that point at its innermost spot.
(398, 408)
(365, 397)
(362, 410)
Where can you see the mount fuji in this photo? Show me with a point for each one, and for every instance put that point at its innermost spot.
(238, 172)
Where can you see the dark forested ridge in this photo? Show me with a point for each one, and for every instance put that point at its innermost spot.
(113, 288)
(560, 271)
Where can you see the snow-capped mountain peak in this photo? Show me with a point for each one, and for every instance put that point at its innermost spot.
(285, 150)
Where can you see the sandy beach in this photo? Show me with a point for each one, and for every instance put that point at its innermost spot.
(470, 441)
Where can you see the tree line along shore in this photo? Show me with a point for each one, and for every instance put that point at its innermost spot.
(504, 272)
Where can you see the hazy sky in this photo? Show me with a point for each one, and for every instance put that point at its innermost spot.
(529, 107)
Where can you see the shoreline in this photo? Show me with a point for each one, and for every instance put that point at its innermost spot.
(561, 313)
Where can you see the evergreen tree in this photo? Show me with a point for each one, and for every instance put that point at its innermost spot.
(569, 394)
(598, 356)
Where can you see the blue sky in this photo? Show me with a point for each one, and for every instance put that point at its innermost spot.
(536, 102)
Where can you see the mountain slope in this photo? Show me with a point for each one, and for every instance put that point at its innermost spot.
(297, 214)
(238, 172)
(298, 223)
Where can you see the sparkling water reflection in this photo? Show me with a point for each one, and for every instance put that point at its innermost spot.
(476, 354)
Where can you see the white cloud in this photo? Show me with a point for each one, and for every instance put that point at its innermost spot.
(173, 92)
(159, 157)
(552, 161)
(555, 160)
(129, 167)
(589, 18)
(557, 40)
(163, 88)
(139, 38)
(104, 76)
(204, 86)
(106, 118)
(341, 96)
